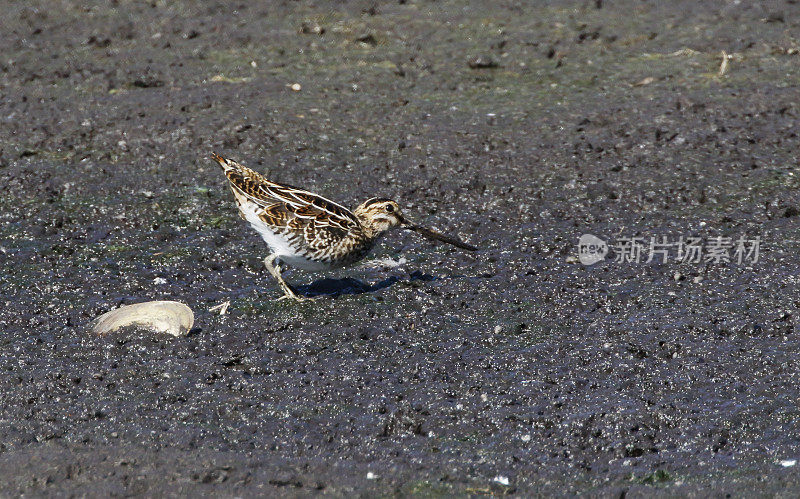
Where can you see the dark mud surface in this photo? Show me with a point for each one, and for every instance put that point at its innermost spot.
(512, 370)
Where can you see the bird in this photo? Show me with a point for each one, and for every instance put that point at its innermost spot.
(307, 231)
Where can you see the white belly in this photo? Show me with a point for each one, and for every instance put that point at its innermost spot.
(278, 244)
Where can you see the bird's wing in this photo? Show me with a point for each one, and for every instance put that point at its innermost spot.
(283, 205)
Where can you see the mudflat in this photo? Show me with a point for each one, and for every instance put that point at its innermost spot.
(517, 126)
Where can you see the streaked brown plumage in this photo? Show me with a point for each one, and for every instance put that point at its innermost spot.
(309, 232)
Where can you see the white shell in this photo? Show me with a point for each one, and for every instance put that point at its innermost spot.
(169, 317)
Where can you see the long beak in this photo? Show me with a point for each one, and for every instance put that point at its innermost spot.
(436, 236)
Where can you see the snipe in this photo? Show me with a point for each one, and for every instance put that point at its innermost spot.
(309, 232)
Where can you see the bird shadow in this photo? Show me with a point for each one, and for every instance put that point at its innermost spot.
(349, 286)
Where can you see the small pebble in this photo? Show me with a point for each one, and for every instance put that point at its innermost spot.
(502, 480)
(644, 81)
(482, 62)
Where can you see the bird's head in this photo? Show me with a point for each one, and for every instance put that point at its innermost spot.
(379, 215)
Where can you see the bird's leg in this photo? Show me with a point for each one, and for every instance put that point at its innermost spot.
(275, 270)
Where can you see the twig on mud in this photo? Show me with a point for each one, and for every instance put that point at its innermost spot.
(685, 52)
(222, 307)
(723, 68)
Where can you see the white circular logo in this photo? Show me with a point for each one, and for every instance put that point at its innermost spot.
(591, 249)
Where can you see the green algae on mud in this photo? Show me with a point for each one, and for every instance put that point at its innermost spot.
(446, 371)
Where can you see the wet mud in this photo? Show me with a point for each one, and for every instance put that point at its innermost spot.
(515, 126)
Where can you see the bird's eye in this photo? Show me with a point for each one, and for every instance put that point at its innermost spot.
(389, 208)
